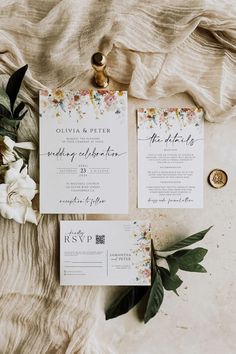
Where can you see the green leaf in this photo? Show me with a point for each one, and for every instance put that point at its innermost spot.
(188, 241)
(173, 265)
(23, 114)
(191, 256)
(126, 301)
(155, 298)
(4, 99)
(180, 253)
(18, 109)
(198, 268)
(7, 123)
(14, 84)
(170, 282)
(4, 112)
(11, 134)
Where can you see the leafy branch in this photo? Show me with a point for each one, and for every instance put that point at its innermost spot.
(162, 278)
(10, 114)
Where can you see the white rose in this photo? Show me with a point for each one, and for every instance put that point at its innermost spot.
(7, 152)
(16, 194)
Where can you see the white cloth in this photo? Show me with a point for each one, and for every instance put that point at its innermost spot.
(159, 48)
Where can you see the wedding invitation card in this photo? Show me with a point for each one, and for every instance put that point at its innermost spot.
(105, 253)
(83, 152)
(170, 158)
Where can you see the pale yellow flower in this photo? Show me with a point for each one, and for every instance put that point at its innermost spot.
(151, 111)
(58, 95)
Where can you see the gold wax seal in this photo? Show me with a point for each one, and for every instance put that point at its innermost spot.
(217, 178)
(99, 62)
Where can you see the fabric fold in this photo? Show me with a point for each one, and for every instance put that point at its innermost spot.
(157, 48)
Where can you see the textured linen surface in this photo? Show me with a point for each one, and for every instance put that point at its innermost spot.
(159, 48)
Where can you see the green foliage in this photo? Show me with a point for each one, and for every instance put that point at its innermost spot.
(188, 241)
(162, 278)
(5, 100)
(173, 265)
(130, 297)
(170, 282)
(198, 268)
(191, 256)
(14, 84)
(10, 117)
(155, 298)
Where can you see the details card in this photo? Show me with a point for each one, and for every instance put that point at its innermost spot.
(105, 253)
(170, 158)
(83, 152)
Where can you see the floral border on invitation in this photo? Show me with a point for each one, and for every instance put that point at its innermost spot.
(141, 233)
(152, 117)
(65, 103)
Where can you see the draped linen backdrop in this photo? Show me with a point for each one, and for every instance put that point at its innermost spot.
(159, 48)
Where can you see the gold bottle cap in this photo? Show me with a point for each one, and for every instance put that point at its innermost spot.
(217, 178)
(98, 59)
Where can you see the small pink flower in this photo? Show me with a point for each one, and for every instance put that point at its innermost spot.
(146, 273)
(109, 100)
(103, 92)
(84, 92)
(44, 92)
(72, 103)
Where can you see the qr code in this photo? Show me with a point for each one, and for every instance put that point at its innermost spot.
(100, 239)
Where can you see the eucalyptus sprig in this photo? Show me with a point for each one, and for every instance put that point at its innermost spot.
(10, 114)
(162, 278)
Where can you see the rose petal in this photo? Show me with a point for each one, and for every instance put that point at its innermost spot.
(28, 193)
(23, 182)
(6, 211)
(17, 165)
(26, 187)
(9, 142)
(19, 213)
(3, 194)
(24, 172)
(14, 171)
(7, 157)
(30, 182)
(11, 175)
(27, 145)
(23, 189)
(30, 216)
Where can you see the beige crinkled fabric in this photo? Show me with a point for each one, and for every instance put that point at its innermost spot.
(159, 48)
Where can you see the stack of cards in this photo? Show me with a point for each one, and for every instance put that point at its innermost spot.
(84, 169)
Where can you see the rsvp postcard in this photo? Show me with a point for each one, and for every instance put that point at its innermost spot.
(105, 253)
(83, 152)
(170, 158)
